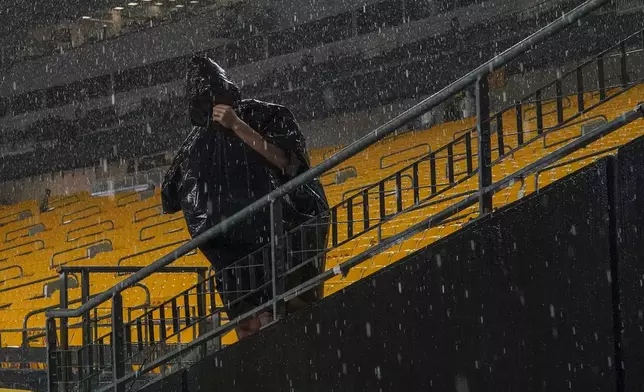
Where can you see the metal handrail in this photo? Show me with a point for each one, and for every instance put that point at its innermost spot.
(493, 116)
(527, 98)
(41, 242)
(20, 229)
(148, 296)
(201, 271)
(44, 334)
(87, 227)
(545, 132)
(20, 275)
(137, 220)
(369, 187)
(430, 156)
(344, 154)
(26, 339)
(145, 316)
(118, 263)
(585, 63)
(156, 225)
(382, 158)
(51, 261)
(66, 222)
(608, 88)
(561, 126)
(144, 321)
(25, 320)
(595, 92)
(429, 222)
(548, 101)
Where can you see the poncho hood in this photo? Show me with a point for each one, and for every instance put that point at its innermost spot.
(207, 84)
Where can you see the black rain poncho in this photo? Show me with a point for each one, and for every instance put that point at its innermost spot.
(215, 174)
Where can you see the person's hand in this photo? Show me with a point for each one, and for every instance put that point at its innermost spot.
(226, 116)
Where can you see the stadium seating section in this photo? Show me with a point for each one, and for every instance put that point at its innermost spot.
(77, 223)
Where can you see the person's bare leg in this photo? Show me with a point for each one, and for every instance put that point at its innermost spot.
(247, 327)
(265, 319)
(253, 324)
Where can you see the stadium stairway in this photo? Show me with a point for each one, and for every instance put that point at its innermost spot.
(35, 244)
(581, 157)
(399, 182)
(524, 133)
(88, 221)
(79, 222)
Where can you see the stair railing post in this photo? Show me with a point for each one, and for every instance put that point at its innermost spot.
(277, 256)
(559, 100)
(623, 65)
(518, 109)
(539, 112)
(600, 78)
(203, 325)
(201, 302)
(580, 89)
(499, 134)
(52, 356)
(484, 147)
(118, 343)
(87, 367)
(64, 332)
(215, 314)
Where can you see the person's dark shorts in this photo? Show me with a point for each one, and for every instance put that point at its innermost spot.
(242, 274)
(239, 274)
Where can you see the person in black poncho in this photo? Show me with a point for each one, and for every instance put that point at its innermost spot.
(238, 151)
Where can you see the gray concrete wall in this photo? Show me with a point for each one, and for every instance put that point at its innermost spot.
(74, 65)
(199, 33)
